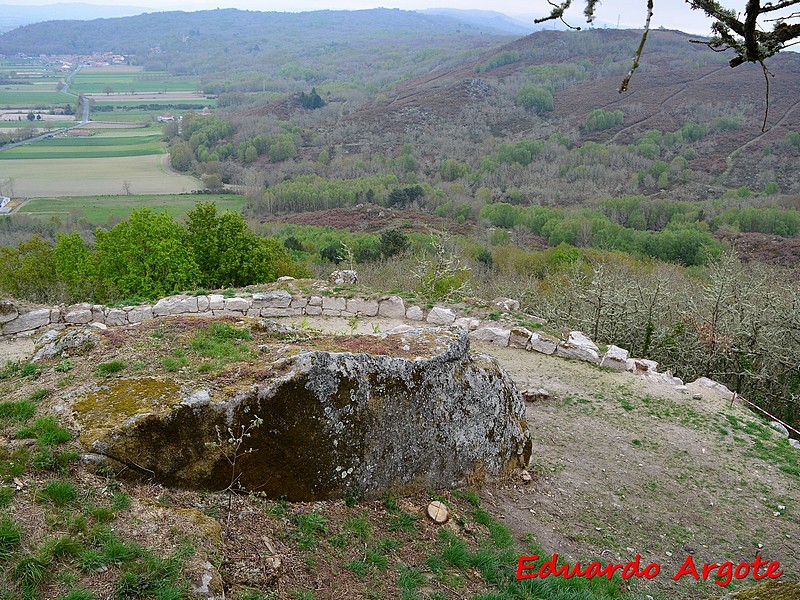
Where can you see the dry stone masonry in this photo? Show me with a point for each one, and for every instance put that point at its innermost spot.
(280, 303)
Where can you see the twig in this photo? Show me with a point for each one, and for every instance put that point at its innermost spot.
(639, 50)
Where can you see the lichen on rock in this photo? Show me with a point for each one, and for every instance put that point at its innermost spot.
(334, 423)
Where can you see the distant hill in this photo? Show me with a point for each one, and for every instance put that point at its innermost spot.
(12, 16)
(166, 30)
(488, 19)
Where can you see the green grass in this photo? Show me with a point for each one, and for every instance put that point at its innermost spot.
(88, 82)
(221, 343)
(60, 492)
(16, 411)
(33, 99)
(10, 537)
(308, 528)
(97, 210)
(46, 431)
(105, 369)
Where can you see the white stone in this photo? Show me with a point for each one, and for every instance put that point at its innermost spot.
(441, 316)
(274, 299)
(56, 316)
(346, 276)
(28, 321)
(714, 385)
(779, 428)
(578, 347)
(315, 301)
(175, 305)
(98, 325)
(333, 303)
(467, 323)
(615, 358)
(506, 304)
(493, 335)
(519, 338)
(299, 302)
(794, 443)
(368, 308)
(99, 313)
(202, 303)
(313, 311)
(543, 343)
(116, 316)
(236, 304)
(78, 317)
(392, 308)
(415, 313)
(669, 379)
(645, 365)
(331, 312)
(216, 302)
(403, 328)
(140, 313)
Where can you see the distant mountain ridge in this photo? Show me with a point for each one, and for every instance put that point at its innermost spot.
(487, 18)
(140, 32)
(12, 15)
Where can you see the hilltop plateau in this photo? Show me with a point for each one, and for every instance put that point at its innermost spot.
(622, 464)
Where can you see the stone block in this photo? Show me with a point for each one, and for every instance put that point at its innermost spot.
(368, 308)
(493, 335)
(333, 303)
(28, 321)
(519, 338)
(116, 316)
(392, 308)
(274, 299)
(441, 316)
(615, 358)
(542, 343)
(415, 313)
(240, 305)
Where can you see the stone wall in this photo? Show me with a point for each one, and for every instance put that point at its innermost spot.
(281, 303)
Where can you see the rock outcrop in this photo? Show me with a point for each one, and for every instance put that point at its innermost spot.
(413, 411)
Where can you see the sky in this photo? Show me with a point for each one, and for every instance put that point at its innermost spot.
(672, 14)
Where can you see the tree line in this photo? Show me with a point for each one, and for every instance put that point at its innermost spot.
(148, 255)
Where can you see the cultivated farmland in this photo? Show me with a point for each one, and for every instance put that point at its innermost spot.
(97, 210)
(56, 177)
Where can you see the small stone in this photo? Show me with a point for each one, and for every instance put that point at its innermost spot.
(697, 396)
(438, 512)
(779, 427)
(526, 477)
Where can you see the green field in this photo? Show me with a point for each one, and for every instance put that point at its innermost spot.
(107, 144)
(89, 82)
(99, 209)
(26, 98)
(199, 102)
(36, 124)
(59, 177)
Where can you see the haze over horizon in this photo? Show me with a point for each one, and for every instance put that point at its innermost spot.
(610, 13)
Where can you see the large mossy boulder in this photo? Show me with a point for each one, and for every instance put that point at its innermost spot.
(398, 412)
